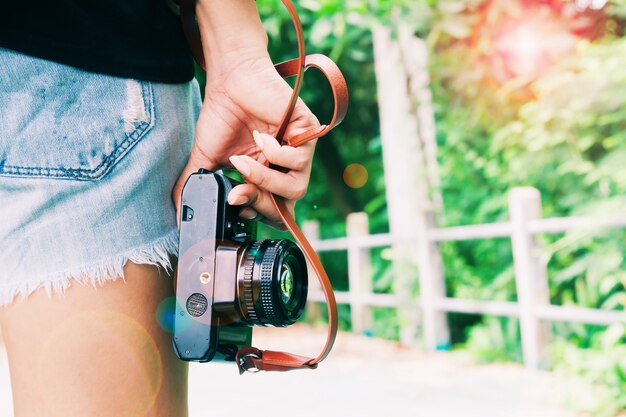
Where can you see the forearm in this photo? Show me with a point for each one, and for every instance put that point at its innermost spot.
(230, 29)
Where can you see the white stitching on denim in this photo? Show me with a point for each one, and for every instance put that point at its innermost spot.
(109, 161)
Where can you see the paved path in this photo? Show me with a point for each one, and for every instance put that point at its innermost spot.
(365, 378)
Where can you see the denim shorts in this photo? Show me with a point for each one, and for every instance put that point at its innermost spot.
(87, 167)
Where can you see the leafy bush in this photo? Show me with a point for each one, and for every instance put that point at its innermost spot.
(600, 388)
(559, 126)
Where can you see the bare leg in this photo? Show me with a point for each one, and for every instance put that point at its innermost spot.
(95, 351)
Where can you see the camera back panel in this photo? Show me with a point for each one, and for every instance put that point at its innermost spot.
(207, 221)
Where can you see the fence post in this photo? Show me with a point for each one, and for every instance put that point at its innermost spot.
(409, 193)
(359, 272)
(531, 276)
(311, 229)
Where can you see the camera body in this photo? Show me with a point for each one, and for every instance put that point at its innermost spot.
(227, 281)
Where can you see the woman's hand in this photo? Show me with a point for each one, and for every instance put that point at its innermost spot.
(244, 94)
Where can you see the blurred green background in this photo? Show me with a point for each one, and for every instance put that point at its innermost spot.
(526, 93)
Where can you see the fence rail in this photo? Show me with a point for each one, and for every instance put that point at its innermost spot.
(533, 307)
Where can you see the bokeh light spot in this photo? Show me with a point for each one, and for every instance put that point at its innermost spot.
(165, 314)
(355, 175)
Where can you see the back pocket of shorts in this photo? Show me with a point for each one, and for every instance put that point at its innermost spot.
(69, 124)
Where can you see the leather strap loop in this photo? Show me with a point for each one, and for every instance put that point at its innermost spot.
(337, 84)
(253, 359)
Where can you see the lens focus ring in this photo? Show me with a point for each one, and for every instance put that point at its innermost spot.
(267, 300)
(263, 301)
(248, 270)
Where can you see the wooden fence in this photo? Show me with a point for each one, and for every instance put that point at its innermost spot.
(533, 308)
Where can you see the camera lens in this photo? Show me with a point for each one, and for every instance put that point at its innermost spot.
(273, 283)
(286, 283)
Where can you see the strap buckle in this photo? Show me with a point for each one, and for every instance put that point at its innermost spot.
(247, 365)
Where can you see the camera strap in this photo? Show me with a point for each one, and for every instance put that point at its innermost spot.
(252, 359)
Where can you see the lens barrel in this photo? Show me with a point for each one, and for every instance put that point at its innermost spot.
(273, 283)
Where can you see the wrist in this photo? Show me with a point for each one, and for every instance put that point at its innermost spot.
(230, 30)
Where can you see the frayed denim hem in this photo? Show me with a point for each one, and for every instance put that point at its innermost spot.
(157, 253)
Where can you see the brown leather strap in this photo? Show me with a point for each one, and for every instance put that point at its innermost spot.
(298, 67)
(337, 84)
(253, 359)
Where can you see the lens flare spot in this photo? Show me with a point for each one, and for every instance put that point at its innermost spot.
(99, 349)
(170, 314)
(165, 314)
(355, 175)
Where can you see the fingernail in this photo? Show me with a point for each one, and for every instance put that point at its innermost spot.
(257, 139)
(238, 200)
(240, 164)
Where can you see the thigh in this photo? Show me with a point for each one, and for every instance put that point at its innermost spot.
(96, 350)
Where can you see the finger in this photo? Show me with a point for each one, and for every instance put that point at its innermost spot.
(289, 185)
(249, 213)
(240, 195)
(302, 120)
(285, 156)
(253, 197)
(249, 195)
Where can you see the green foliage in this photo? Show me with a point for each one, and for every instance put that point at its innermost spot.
(559, 128)
(574, 128)
(385, 323)
(341, 30)
(495, 340)
(600, 388)
(563, 133)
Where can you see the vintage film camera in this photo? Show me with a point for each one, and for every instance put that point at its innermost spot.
(227, 280)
